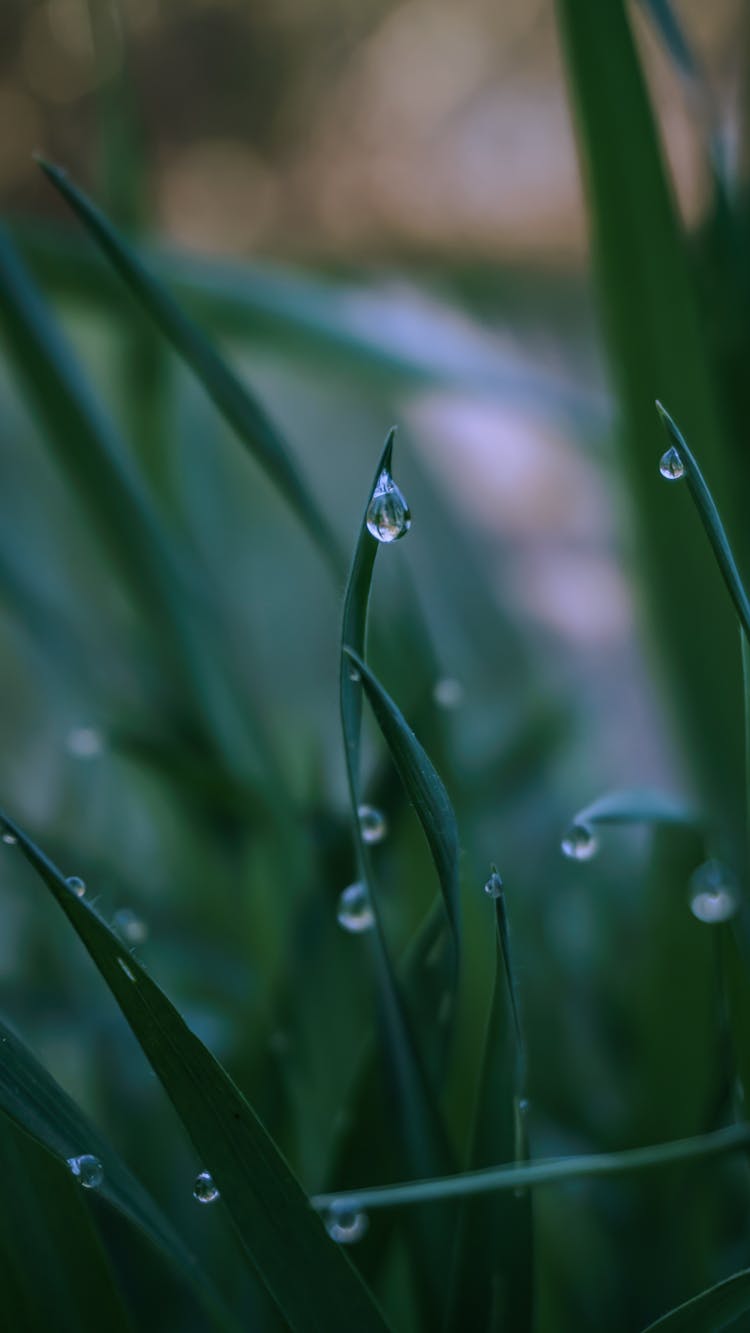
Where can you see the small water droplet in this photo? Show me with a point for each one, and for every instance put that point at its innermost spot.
(494, 886)
(372, 823)
(671, 465)
(388, 516)
(9, 838)
(130, 926)
(128, 973)
(345, 1225)
(354, 674)
(84, 743)
(580, 843)
(448, 693)
(204, 1189)
(76, 885)
(713, 893)
(87, 1170)
(354, 911)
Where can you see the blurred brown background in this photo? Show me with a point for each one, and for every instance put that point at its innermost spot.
(324, 129)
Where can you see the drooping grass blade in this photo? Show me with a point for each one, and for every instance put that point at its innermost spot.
(637, 805)
(54, 1271)
(309, 1277)
(493, 1266)
(233, 399)
(31, 1098)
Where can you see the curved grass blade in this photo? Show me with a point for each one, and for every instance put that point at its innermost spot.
(423, 1135)
(54, 1269)
(235, 402)
(713, 1309)
(311, 1280)
(424, 788)
(637, 805)
(709, 516)
(549, 1171)
(30, 1097)
(492, 1280)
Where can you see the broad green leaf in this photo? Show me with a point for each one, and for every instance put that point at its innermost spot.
(711, 1310)
(233, 399)
(548, 1171)
(658, 347)
(424, 788)
(493, 1270)
(54, 1271)
(32, 1099)
(309, 1277)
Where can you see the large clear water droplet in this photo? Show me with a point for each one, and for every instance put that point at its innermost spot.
(204, 1189)
(579, 843)
(345, 1225)
(87, 1170)
(354, 911)
(494, 886)
(84, 743)
(388, 516)
(713, 893)
(448, 692)
(671, 465)
(76, 885)
(372, 823)
(130, 926)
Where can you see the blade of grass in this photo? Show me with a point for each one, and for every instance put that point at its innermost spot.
(233, 399)
(639, 805)
(309, 1277)
(423, 1135)
(424, 788)
(491, 1286)
(711, 1310)
(54, 1270)
(657, 345)
(31, 1098)
(547, 1171)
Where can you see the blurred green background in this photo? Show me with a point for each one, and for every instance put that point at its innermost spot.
(376, 213)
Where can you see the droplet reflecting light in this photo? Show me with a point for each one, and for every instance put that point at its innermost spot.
(354, 911)
(204, 1189)
(388, 516)
(87, 1170)
(76, 885)
(372, 823)
(671, 465)
(713, 893)
(345, 1226)
(579, 843)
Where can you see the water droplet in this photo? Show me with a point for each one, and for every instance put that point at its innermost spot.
(494, 886)
(84, 743)
(130, 926)
(76, 885)
(344, 1225)
(9, 839)
(204, 1189)
(388, 516)
(354, 911)
(354, 674)
(713, 891)
(580, 843)
(87, 1170)
(448, 693)
(372, 824)
(130, 975)
(671, 465)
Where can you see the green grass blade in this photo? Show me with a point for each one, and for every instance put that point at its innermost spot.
(235, 402)
(424, 788)
(493, 1269)
(31, 1098)
(711, 1310)
(637, 805)
(709, 516)
(658, 347)
(309, 1277)
(423, 1137)
(54, 1271)
(547, 1171)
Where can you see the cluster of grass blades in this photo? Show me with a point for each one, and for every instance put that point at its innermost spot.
(403, 1132)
